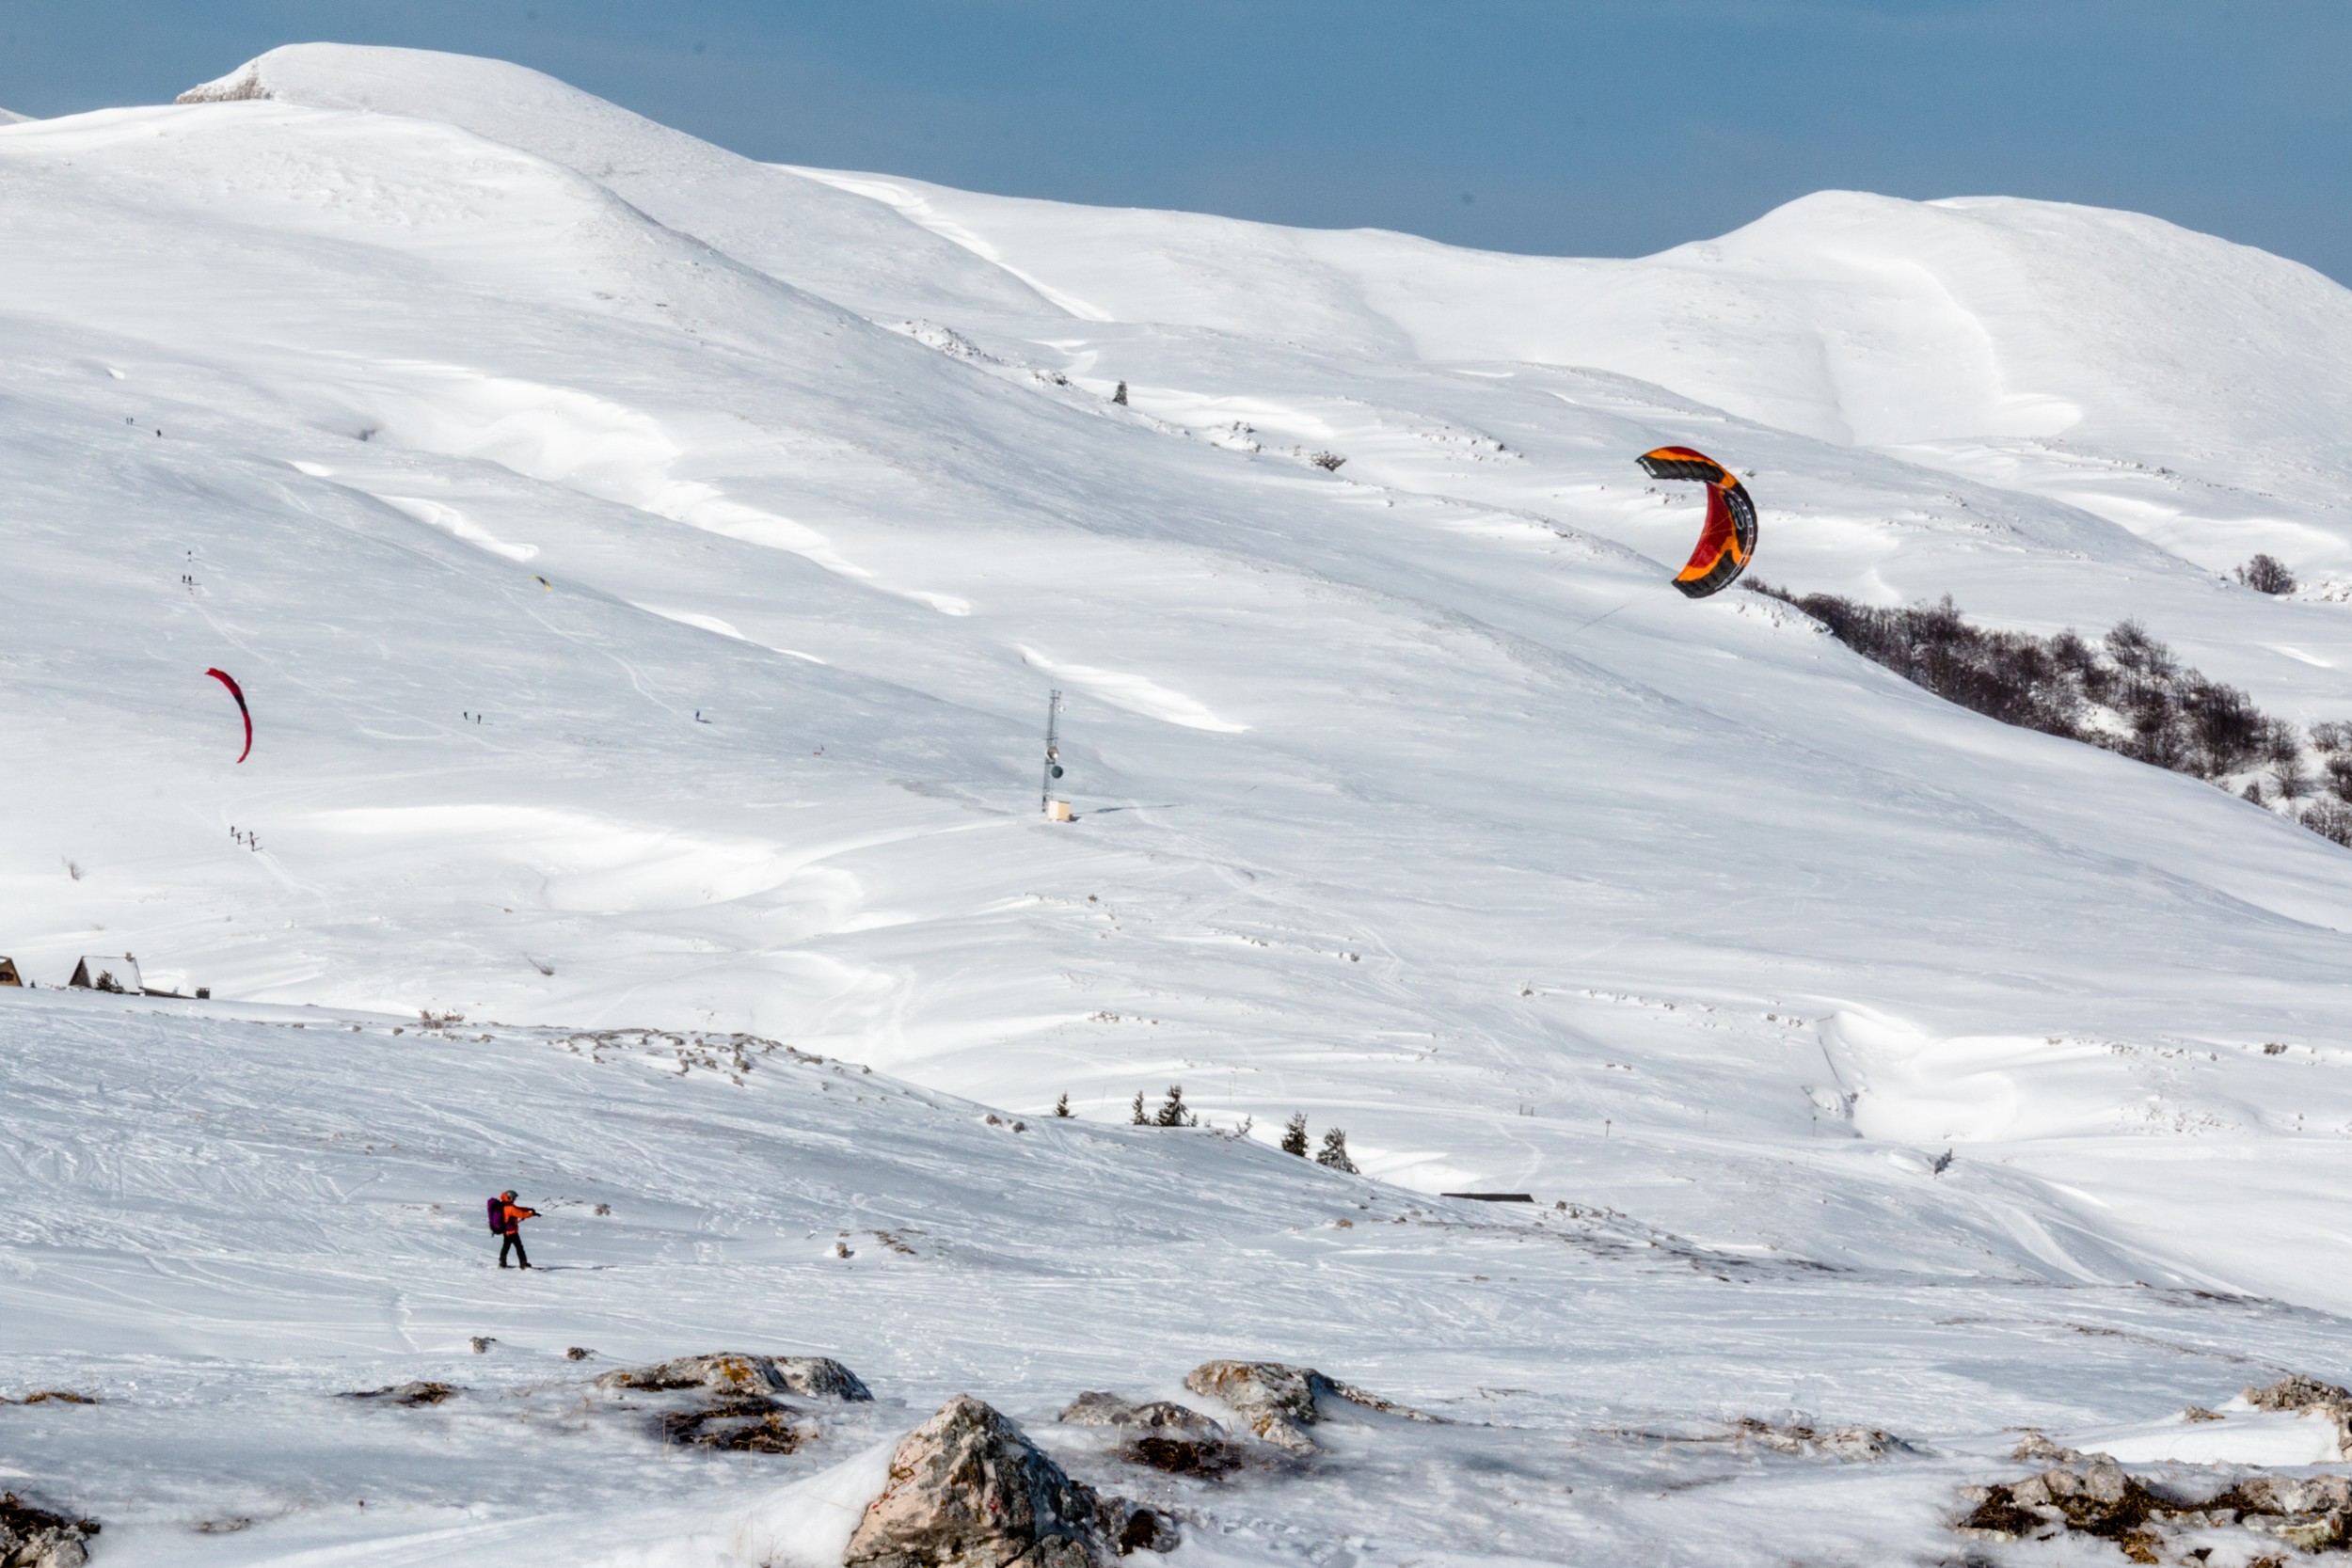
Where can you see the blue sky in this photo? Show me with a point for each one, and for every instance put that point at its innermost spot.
(1581, 127)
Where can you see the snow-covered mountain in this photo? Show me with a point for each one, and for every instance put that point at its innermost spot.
(647, 569)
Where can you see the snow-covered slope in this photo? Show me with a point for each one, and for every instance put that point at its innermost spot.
(2067, 347)
(647, 569)
(766, 217)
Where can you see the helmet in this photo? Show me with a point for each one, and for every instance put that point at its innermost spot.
(508, 1195)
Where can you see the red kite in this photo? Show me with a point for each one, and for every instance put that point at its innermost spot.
(243, 712)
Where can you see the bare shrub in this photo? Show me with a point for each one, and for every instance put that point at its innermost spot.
(2128, 693)
(2280, 747)
(2266, 574)
(2329, 819)
(2223, 723)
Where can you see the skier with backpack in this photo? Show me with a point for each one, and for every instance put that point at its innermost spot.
(506, 1220)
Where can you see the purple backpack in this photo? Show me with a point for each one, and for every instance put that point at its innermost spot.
(497, 1217)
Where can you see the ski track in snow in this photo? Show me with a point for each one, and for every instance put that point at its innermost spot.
(647, 568)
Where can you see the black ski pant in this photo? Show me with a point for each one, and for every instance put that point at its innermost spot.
(514, 1242)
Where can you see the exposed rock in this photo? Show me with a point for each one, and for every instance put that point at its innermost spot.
(1796, 1437)
(405, 1393)
(732, 1372)
(1164, 1436)
(1278, 1401)
(2308, 1394)
(230, 89)
(1096, 1409)
(738, 1426)
(1131, 1527)
(2097, 1497)
(54, 1396)
(2288, 1493)
(820, 1377)
(2034, 1446)
(968, 1490)
(2296, 1392)
(34, 1538)
(577, 1353)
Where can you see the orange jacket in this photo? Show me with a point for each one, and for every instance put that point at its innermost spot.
(514, 1214)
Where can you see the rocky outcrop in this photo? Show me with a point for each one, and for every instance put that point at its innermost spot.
(1811, 1442)
(969, 1490)
(1278, 1402)
(738, 1411)
(739, 1424)
(1096, 1409)
(2301, 1394)
(2095, 1496)
(1164, 1436)
(34, 1538)
(407, 1393)
(735, 1374)
(239, 88)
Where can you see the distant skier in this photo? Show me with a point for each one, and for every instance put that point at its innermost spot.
(506, 1220)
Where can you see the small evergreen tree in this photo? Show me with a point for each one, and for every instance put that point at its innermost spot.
(1294, 1135)
(1120, 397)
(1333, 1154)
(1172, 1112)
(1061, 1106)
(1140, 1117)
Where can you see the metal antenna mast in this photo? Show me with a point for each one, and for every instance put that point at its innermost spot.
(1053, 751)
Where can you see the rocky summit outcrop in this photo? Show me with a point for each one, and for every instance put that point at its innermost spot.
(1158, 1433)
(733, 1374)
(969, 1490)
(34, 1538)
(1278, 1402)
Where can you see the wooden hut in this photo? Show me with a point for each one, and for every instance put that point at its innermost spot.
(8, 977)
(105, 972)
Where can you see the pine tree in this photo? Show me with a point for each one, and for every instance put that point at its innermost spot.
(1172, 1112)
(1334, 1151)
(1140, 1118)
(1061, 1106)
(1294, 1135)
(1120, 397)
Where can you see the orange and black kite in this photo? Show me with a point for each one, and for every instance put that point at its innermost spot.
(1727, 544)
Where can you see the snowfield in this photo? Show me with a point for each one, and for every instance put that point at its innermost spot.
(648, 568)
